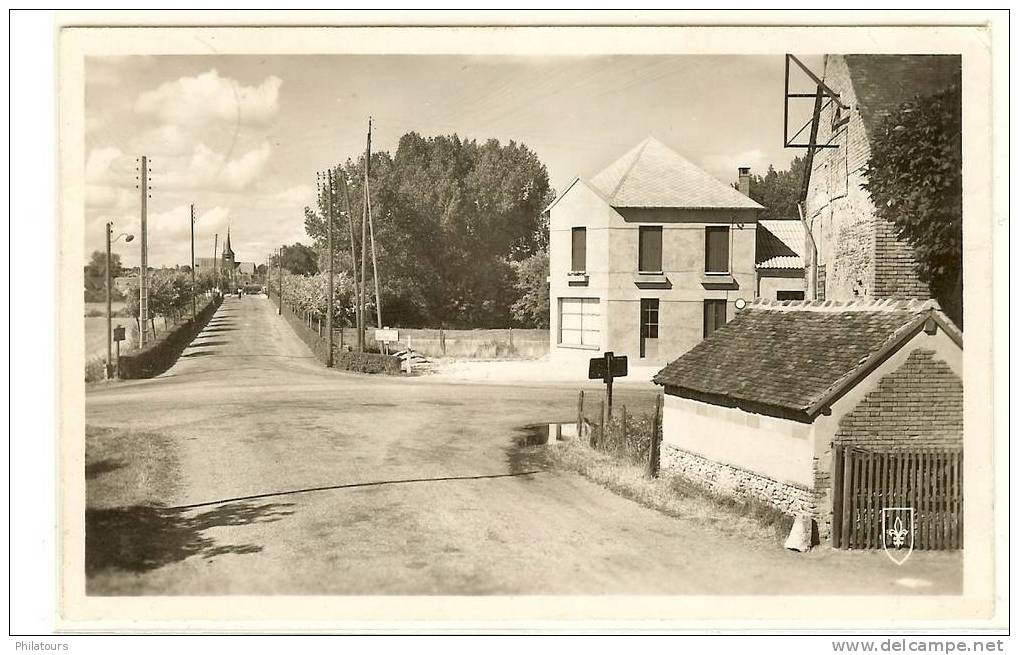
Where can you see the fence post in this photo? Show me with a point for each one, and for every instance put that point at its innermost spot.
(442, 341)
(580, 414)
(654, 454)
(511, 337)
(623, 435)
(596, 434)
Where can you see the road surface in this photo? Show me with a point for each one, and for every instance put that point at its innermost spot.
(249, 468)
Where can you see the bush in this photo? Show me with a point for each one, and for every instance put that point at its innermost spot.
(367, 362)
(630, 442)
(95, 369)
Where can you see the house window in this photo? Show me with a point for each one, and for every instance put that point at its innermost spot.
(716, 250)
(580, 322)
(649, 318)
(649, 256)
(578, 261)
(789, 295)
(714, 316)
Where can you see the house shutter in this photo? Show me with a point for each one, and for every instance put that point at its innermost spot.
(716, 250)
(578, 261)
(650, 249)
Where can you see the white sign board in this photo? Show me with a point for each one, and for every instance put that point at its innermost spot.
(386, 335)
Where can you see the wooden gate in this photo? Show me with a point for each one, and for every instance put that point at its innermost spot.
(864, 481)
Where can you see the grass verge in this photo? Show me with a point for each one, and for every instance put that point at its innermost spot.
(673, 495)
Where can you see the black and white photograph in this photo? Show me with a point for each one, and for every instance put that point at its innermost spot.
(582, 315)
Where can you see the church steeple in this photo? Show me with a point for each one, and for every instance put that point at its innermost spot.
(228, 252)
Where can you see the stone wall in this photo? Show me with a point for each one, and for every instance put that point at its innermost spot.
(919, 404)
(731, 481)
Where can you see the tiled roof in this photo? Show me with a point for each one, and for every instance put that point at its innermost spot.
(653, 175)
(796, 356)
(780, 244)
(883, 82)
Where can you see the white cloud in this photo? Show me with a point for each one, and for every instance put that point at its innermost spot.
(207, 169)
(298, 197)
(209, 97)
(108, 166)
(167, 139)
(110, 198)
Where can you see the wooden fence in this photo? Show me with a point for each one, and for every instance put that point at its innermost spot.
(866, 481)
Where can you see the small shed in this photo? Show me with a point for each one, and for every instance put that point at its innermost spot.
(817, 408)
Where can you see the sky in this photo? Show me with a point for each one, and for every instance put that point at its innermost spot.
(241, 137)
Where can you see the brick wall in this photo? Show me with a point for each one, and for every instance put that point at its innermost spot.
(862, 256)
(894, 267)
(918, 404)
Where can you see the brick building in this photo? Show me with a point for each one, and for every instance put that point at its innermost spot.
(858, 253)
(757, 410)
(776, 405)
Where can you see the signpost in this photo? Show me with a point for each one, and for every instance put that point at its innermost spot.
(606, 368)
(386, 335)
(119, 333)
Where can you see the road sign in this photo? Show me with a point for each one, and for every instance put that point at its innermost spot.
(606, 368)
(386, 335)
(118, 333)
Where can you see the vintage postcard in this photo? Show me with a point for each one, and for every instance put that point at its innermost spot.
(490, 324)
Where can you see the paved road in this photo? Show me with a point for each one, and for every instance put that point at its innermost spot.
(248, 468)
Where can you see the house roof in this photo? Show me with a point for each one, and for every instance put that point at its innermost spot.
(794, 358)
(780, 244)
(653, 175)
(883, 82)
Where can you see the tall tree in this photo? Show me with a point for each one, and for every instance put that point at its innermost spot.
(95, 275)
(778, 191)
(300, 259)
(914, 178)
(532, 307)
(451, 217)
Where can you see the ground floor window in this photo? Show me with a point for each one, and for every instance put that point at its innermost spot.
(789, 295)
(580, 322)
(714, 316)
(648, 327)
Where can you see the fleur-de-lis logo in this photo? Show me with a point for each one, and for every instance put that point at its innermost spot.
(898, 533)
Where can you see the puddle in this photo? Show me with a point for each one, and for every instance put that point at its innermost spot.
(530, 441)
(541, 434)
(535, 434)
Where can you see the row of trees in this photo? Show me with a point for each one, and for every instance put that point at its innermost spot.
(453, 220)
(170, 294)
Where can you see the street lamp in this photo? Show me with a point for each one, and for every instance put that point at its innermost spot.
(193, 311)
(109, 294)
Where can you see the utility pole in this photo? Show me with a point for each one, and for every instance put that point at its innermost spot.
(143, 269)
(371, 228)
(353, 261)
(329, 296)
(194, 311)
(215, 261)
(364, 253)
(109, 303)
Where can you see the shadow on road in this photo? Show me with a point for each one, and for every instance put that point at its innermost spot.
(95, 469)
(141, 537)
(197, 342)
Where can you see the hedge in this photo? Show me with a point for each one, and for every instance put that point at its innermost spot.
(161, 354)
(367, 362)
(342, 359)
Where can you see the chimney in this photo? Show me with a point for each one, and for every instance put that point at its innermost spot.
(744, 180)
